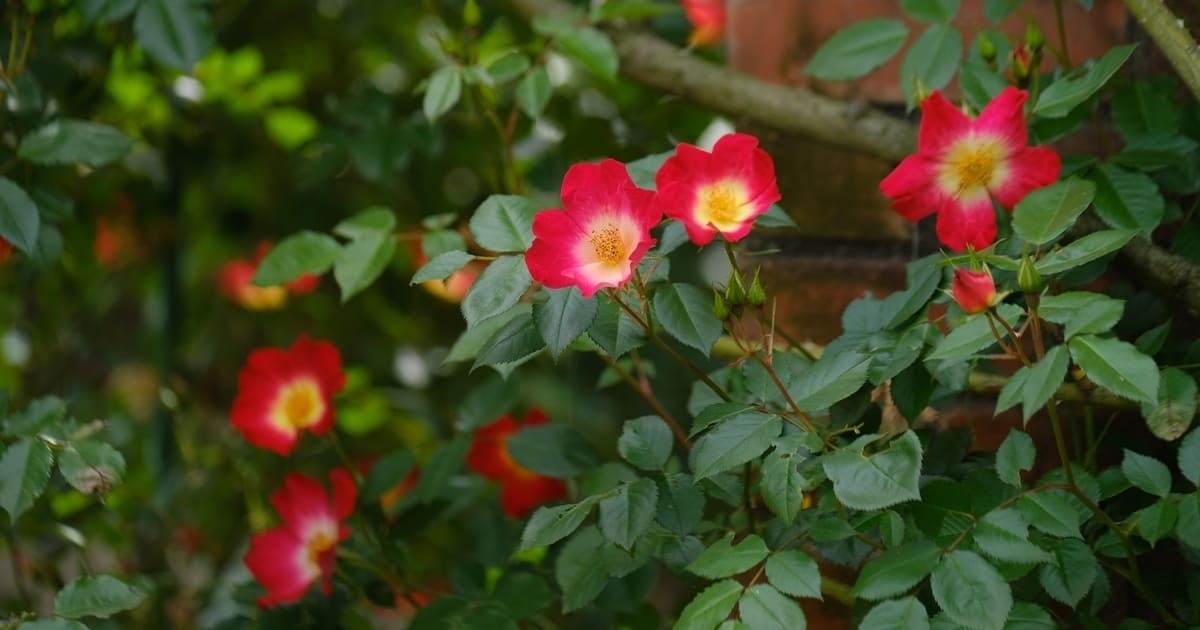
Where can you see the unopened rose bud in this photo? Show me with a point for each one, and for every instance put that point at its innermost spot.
(973, 290)
(1028, 278)
(1033, 37)
(1022, 65)
(720, 308)
(757, 295)
(735, 291)
(471, 14)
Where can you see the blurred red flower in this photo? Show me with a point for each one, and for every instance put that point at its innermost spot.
(235, 281)
(286, 560)
(284, 392)
(708, 19)
(521, 489)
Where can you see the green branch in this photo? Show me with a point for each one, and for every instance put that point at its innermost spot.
(1171, 37)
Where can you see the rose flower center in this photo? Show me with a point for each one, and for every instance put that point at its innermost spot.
(300, 404)
(722, 203)
(606, 241)
(974, 166)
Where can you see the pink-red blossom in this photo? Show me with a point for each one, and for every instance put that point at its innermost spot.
(721, 192)
(708, 18)
(521, 489)
(282, 393)
(961, 165)
(287, 559)
(598, 237)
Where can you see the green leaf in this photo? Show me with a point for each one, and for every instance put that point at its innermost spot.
(1117, 366)
(997, 10)
(96, 596)
(896, 570)
(442, 92)
(1084, 250)
(1176, 405)
(980, 83)
(522, 595)
(439, 241)
(733, 443)
(469, 343)
(1150, 153)
(1127, 200)
(830, 380)
(515, 343)
(106, 10)
(563, 317)
(555, 450)
(931, 61)
(386, 472)
(1156, 520)
(508, 66)
(442, 266)
(907, 613)
(764, 608)
(680, 503)
(645, 442)
(176, 33)
(592, 48)
(1189, 457)
(1016, 453)
(497, 289)
(1050, 512)
(374, 221)
(931, 10)
(1082, 312)
(857, 50)
(1044, 214)
(1027, 616)
(1012, 392)
(613, 330)
(584, 566)
(795, 573)
(782, 485)
(1147, 473)
(877, 481)
(19, 220)
(549, 525)
(24, 470)
(56, 623)
(723, 558)
(441, 466)
(630, 10)
(971, 591)
(626, 515)
(708, 609)
(67, 141)
(1004, 535)
(361, 261)
(1140, 109)
(533, 92)
(1071, 573)
(504, 223)
(685, 312)
(973, 336)
(296, 255)
(1044, 379)
(1059, 98)
(91, 467)
(1187, 526)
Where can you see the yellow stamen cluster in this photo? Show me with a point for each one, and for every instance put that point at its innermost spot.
(974, 166)
(606, 241)
(300, 404)
(722, 203)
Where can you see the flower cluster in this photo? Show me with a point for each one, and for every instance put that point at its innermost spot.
(235, 281)
(521, 489)
(603, 230)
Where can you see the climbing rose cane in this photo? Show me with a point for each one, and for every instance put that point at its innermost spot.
(599, 236)
(284, 392)
(973, 290)
(286, 560)
(521, 489)
(962, 164)
(720, 192)
(708, 19)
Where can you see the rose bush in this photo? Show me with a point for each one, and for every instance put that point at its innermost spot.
(601, 431)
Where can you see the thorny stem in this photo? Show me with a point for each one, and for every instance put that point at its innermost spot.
(1012, 334)
(1008, 350)
(674, 354)
(649, 397)
(342, 455)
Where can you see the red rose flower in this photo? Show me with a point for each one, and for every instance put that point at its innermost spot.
(599, 236)
(235, 281)
(708, 21)
(286, 560)
(521, 489)
(6, 251)
(720, 192)
(962, 164)
(284, 392)
(974, 290)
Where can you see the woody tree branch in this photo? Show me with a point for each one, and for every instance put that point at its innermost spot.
(653, 62)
